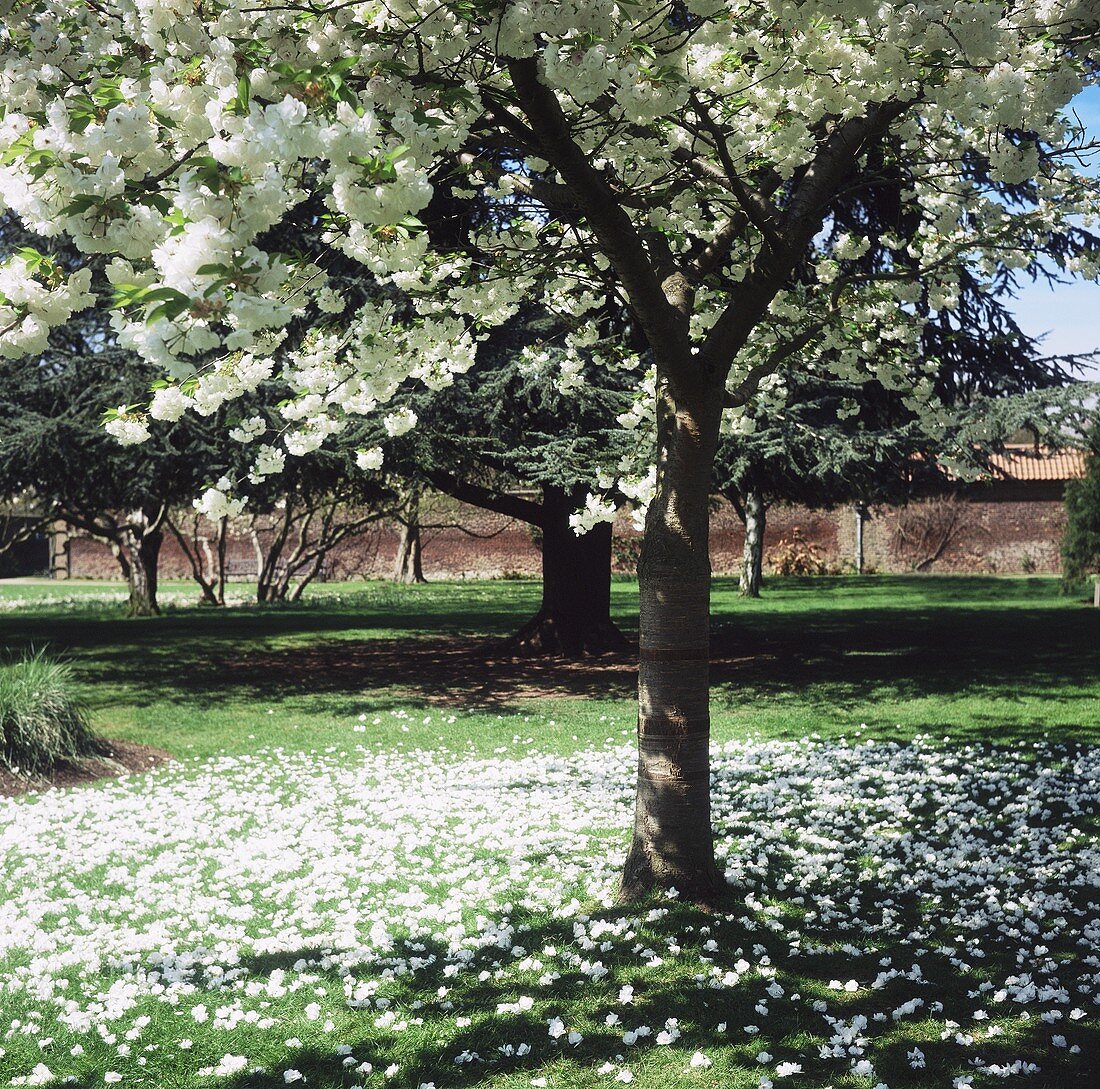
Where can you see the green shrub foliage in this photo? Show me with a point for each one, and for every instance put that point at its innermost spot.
(1081, 542)
(41, 720)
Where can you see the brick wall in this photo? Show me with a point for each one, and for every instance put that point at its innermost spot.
(994, 536)
(985, 532)
(472, 544)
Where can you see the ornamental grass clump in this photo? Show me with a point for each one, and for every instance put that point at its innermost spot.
(41, 719)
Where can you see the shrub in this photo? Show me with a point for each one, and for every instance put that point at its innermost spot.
(1081, 543)
(795, 555)
(926, 530)
(41, 720)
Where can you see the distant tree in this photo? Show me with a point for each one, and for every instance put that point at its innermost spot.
(300, 506)
(822, 441)
(1081, 542)
(408, 564)
(294, 536)
(511, 437)
(52, 445)
(204, 544)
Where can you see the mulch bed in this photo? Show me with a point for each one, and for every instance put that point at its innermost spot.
(119, 758)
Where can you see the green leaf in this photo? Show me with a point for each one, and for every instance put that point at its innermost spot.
(244, 92)
(31, 256)
(169, 310)
(165, 294)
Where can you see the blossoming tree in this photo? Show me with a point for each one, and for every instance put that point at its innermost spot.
(682, 156)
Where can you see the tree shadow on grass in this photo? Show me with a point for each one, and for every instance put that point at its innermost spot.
(836, 660)
(942, 639)
(430, 1016)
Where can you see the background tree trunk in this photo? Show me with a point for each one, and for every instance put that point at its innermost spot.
(267, 561)
(673, 844)
(408, 565)
(752, 563)
(138, 555)
(861, 517)
(206, 559)
(575, 616)
(216, 558)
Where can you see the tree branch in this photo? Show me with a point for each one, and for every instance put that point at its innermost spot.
(755, 207)
(665, 326)
(800, 221)
(553, 196)
(512, 506)
(747, 388)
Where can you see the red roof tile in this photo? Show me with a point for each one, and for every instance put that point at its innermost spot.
(1027, 463)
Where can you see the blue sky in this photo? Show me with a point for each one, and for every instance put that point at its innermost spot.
(1069, 313)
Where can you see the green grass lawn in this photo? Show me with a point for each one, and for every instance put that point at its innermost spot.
(963, 657)
(389, 843)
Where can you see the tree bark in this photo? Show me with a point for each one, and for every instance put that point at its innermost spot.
(861, 515)
(268, 591)
(408, 565)
(216, 559)
(138, 556)
(752, 563)
(574, 619)
(673, 845)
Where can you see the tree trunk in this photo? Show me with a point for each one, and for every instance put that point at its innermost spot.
(752, 564)
(206, 560)
(673, 845)
(861, 515)
(575, 616)
(209, 567)
(408, 565)
(266, 589)
(138, 556)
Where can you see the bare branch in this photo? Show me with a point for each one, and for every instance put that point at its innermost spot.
(512, 506)
(748, 386)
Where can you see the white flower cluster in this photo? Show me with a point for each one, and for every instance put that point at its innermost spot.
(370, 460)
(370, 899)
(31, 305)
(216, 502)
(127, 426)
(174, 137)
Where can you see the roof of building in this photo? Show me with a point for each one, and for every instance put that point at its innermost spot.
(1027, 462)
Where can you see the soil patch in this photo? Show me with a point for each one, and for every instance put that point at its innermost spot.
(118, 758)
